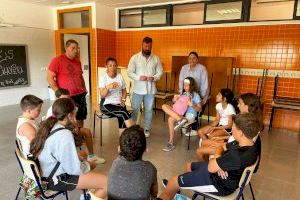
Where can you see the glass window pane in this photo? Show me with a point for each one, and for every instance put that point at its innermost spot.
(157, 16)
(271, 11)
(131, 18)
(75, 19)
(188, 14)
(224, 11)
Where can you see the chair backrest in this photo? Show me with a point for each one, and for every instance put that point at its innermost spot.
(28, 166)
(247, 174)
(93, 197)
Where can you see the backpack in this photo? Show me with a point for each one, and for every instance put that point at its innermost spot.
(30, 187)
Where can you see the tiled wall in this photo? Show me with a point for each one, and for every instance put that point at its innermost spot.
(257, 47)
(266, 46)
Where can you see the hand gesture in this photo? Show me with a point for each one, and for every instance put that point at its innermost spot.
(113, 85)
(150, 78)
(190, 103)
(143, 78)
(176, 97)
(223, 174)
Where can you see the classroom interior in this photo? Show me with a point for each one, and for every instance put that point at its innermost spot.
(247, 45)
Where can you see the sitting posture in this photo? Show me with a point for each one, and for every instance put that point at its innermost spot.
(130, 177)
(27, 126)
(81, 134)
(221, 126)
(113, 92)
(248, 103)
(55, 149)
(222, 173)
(183, 110)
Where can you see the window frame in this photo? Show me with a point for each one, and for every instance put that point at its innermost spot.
(169, 15)
(127, 9)
(245, 14)
(295, 16)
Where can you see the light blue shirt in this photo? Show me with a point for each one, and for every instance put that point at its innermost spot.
(138, 66)
(59, 147)
(196, 100)
(199, 73)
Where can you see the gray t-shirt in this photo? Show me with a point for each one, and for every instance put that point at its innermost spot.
(131, 180)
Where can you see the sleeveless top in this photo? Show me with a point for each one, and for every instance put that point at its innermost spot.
(23, 140)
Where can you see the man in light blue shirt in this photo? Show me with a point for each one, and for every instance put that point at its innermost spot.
(196, 71)
(144, 69)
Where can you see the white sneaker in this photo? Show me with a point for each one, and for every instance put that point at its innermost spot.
(180, 123)
(147, 133)
(96, 159)
(192, 133)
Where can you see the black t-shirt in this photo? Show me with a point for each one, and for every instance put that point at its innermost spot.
(234, 161)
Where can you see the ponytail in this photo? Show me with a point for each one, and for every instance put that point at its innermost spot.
(60, 110)
(37, 144)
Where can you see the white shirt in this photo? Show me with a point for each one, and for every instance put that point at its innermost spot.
(225, 113)
(138, 66)
(114, 95)
(23, 140)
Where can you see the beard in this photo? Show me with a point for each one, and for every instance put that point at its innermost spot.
(147, 52)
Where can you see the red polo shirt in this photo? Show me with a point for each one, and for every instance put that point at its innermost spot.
(68, 74)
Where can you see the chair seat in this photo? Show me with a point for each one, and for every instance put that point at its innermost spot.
(286, 105)
(50, 192)
(228, 197)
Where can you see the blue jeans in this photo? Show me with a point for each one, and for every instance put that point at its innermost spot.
(148, 100)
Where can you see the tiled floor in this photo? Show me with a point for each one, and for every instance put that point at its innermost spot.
(277, 178)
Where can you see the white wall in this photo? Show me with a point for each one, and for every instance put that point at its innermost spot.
(105, 17)
(39, 41)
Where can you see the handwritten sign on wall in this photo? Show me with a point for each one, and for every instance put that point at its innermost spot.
(13, 66)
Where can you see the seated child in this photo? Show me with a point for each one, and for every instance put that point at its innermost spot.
(248, 102)
(27, 127)
(221, 126)
(79, 132)
(222, 173)
(183, 110)
(56, 151)
(130, 177)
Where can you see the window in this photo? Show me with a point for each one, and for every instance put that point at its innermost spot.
(272, 10)
(75, 19)
(130, 18)
(188, 14)
(156, 16)
(223, 11)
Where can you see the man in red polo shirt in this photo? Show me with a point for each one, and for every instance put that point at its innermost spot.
(65, 72)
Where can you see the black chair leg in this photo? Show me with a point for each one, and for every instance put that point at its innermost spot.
(66, 194)
(243, 197)
(208, 111)
(94, 124)
(195, 195)
(253, 197)
(100, 131)
(271, 119)
(18, 193)
(154, 105)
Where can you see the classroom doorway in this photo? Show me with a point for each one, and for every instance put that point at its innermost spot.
(84, 56)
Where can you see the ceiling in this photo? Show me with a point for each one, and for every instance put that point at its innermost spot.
(111, 3)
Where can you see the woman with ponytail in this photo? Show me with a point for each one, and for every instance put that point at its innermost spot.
(55, 149)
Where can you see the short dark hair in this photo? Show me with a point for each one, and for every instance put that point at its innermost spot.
(61, 91)
(71, 41)
(132, 143)
(111, 59)
(228, 94)
(147, 40)
(30, 102)
(247, 123)
(194, 53)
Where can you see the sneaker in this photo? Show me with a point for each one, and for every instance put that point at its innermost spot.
(83, 198)
(180, 123)
(97, 159)
(147, 133)
(192, 133)
(165, 182)
(169, 147)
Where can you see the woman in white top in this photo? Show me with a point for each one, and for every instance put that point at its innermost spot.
(26, 128)
(221, 126)
(113, 95)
